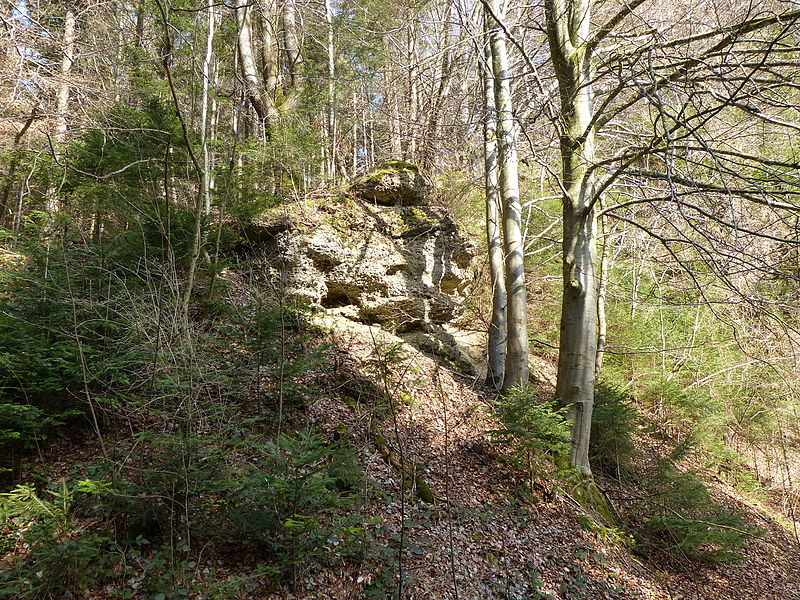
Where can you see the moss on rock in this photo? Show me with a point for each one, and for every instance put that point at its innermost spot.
(393, 183)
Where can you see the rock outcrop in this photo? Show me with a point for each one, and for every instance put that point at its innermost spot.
(393, 183)
(406, 268)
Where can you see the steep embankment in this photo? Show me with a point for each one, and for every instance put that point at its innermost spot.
(481, 538)
(325, 433)
(405, 387)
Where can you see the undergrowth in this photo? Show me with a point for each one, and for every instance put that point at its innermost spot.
(671, 510)
(216, 450)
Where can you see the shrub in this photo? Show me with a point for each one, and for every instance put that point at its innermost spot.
(183, 477)
(538, 432)
(614, 421)
(344, 468)
(680, 518)
(288, 504)
(62, 558)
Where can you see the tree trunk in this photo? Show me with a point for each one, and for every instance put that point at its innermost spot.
(516, 371)
(443, 75)
(204, 119)
(294, 58)
(254, 88)
(13, 164)
(139, 35)
(413, 95)
(497, 327)
(394, 126)
(269, 47)
(62, 104)
(602, 285)
(568, 34)
(331, 116)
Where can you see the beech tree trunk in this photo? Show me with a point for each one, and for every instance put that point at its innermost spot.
(497, 328)
(516, 368)
(254, 87)
(413, 95)
(602, 286)
(331, 114)
(62, 102)
(204, 118)
(269, 47)
(568, 34)
(291, 40)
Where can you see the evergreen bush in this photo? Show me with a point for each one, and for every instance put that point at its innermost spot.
(537, 432)
(288, 505)
(614, 422)
(62, 560)
(679, 517)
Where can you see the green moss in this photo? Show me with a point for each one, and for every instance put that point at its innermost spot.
(379, 439)
(593, 500)
(390, 167)
(414, 222)
(424, 492)
(399, 165)
(613, 535)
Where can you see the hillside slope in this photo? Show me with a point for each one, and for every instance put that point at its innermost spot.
(482, 539)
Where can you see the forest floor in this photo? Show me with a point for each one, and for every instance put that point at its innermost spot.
(486, 539)
(482, 537)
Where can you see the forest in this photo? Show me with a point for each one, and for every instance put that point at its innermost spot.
(400, 299)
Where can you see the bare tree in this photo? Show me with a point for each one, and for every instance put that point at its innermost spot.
(494, 234)
(676, 170)
(516, 363)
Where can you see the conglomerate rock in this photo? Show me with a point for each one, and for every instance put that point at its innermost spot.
(393, 183)
(403, 267)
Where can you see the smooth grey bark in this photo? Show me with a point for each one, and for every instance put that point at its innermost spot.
(331, 112)
(516, 368)
(269, 47)
(291, 41)
(205, 183)
(62, 100)
(254, 88)
(139, 35)
(602, 287)
(568, 23)
(67, 59)
(413, 93)
(494, 235)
